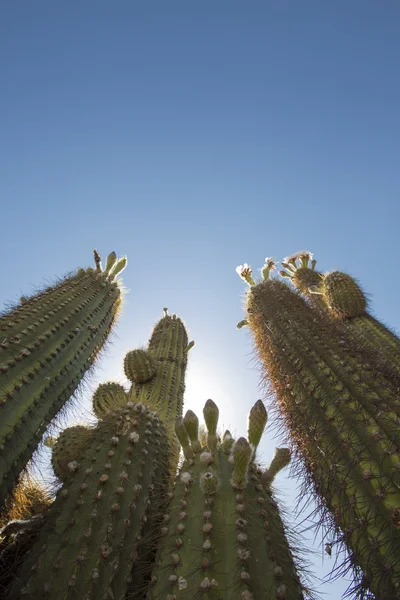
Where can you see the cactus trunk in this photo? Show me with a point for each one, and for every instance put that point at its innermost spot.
(92, 532)
(49, 342)
(343, 413)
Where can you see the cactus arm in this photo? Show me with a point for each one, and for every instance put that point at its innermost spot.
(108, 397)
(111, 260)
(340, 296)
(119, 266)
(164, 392)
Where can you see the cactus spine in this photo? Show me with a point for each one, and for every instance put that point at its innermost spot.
(222, 535)
(93, 531)
(343, 414)
(48, 343)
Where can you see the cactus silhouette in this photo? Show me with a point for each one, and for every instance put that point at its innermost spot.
(48, 342)
(222, 535)
(342, 411)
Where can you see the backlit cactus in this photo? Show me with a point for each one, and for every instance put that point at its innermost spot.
(342, 411)
(222, 535)
(341, 297)
(48, 342)
(94, 531)
(158, 374)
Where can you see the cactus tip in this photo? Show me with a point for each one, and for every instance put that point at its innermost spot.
(245, 272)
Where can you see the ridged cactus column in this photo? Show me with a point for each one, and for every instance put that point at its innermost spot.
(223, 537)
(158, 373)
(341, 297)
(94, 531)
(343, 413)
(48, 343)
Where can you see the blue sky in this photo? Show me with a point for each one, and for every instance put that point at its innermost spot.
(193, 137)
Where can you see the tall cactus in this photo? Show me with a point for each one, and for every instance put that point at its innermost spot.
(158, 373)
(341, 297)
(48, 342)
(343, 414)
(223, 537)
(93, 532)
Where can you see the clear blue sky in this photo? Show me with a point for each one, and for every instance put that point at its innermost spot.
(193, 137)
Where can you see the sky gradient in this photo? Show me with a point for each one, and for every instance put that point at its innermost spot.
(193, 137)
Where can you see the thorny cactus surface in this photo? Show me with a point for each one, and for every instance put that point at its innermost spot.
(343, 414)
(68, 449)
(341, 297)
(222, 536)
(158, 374)
(47, 344)
(94, 531)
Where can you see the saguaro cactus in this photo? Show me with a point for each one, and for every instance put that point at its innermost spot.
(158, 373)
(341, 297)
(222, 535)
(48, 343)
(94, 531)
(343, 414)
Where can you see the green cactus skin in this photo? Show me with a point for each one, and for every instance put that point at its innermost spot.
(164, 393)
(302, 274)
(343, 415)
(47, 344)
(223, 537)
(90, 540)
(68, 449)
(343, 295)
(346, 301)
(339, 295)
(140, 366)
(108, 397)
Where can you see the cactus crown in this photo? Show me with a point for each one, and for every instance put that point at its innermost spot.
(300, 268)
(222, 533)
